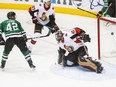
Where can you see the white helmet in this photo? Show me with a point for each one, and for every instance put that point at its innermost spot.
(47, 2)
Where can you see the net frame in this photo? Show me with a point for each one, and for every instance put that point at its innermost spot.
(98, 30)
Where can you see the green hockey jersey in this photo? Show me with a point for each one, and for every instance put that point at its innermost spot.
(12, 28)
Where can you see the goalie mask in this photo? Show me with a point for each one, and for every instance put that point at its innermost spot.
(58, 35)
(11, 15)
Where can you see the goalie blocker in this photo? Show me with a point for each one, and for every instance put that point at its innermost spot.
(73, 43)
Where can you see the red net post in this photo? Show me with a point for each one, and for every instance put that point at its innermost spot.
(98, 32)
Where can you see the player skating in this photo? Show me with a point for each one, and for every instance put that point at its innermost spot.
(73, 43)
(109, 9)
(15, 35)
(42, 15)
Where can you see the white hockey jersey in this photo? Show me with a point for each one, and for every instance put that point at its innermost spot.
(43, 13)
(68, 42)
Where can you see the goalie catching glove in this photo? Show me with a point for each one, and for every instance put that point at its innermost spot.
(85, 37)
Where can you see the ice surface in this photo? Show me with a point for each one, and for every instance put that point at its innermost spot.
(44, 55)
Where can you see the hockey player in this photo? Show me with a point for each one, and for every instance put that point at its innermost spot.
(15, 35)
(109, 9)
(73, 44)
(42, 15)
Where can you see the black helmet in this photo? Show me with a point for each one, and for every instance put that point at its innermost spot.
(10, 15)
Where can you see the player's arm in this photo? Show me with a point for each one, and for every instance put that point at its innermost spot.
(52, 21)
(103, 10)
(105, 6)
(0, 32)
(76, 32)
(80, 34)
(22, 31)
(32, 10)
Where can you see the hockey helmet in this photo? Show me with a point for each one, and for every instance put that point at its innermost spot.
(47, 2)
(11, 15)
(58, 35)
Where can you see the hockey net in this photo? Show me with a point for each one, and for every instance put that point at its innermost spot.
(106, 37)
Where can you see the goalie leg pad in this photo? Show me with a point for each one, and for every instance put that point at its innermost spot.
(60, 57)
(85, 62)
(90, 64)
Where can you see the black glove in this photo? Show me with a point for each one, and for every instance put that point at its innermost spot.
(85, 38)
(99, 14)
(54, 29)
(34, 20)
(25, 38)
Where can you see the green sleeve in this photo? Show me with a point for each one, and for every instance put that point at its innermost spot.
(20, 27)
(0, 32)
(105, 6)
(22, 30)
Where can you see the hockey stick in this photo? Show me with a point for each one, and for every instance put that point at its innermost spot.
(87, 11)
(75, 4)
(48, 34)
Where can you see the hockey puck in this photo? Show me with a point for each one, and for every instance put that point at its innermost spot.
(112, 33)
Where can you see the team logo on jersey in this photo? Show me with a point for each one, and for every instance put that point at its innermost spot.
(43, 17)
(70, 49)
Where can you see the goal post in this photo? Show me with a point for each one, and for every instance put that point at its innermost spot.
(112, 21)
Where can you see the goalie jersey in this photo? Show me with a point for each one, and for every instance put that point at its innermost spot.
(71, 40)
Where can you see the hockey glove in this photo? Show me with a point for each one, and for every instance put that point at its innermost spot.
(85, 38)
(99, 14)
(34, 20)
(54, 29)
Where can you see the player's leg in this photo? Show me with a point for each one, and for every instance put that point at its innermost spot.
(7, 48)
(36, 35)
(23, 48)
(85, 61)
(70, 60)
(61, 54)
